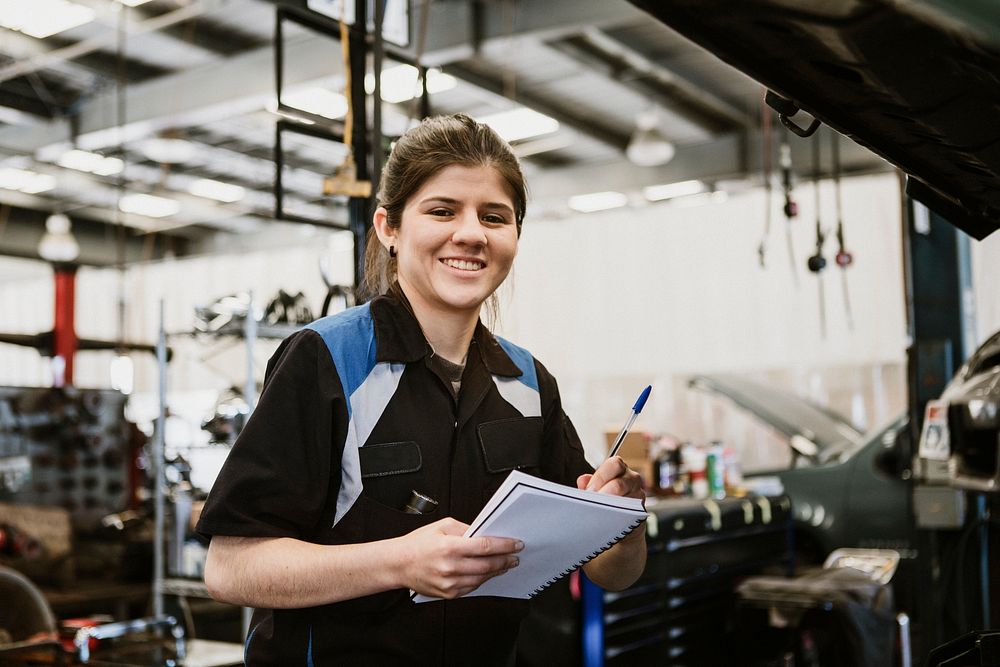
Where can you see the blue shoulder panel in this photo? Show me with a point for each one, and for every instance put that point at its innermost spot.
(350, 337)
(523, 360)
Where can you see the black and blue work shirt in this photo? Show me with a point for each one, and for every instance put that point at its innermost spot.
(352, 420)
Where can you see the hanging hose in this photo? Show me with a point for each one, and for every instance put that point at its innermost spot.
(790, 208)
(817, 262)
(844, 258)
(766, 154)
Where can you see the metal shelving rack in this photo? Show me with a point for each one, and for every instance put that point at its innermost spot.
(250, 331)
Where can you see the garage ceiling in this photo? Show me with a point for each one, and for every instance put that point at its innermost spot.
(83, 112)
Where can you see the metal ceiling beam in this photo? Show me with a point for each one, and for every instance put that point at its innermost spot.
(107, 39)
(97, 199)
(24, 228)
(20, 47)
(632, 69)
(610, 135)
(242, 83)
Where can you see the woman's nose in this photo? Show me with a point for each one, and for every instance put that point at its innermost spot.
(469, 230)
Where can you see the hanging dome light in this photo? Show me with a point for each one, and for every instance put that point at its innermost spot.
(648, 147)
(58, 243)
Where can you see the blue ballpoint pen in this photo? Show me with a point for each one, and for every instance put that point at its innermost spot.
(636, 409)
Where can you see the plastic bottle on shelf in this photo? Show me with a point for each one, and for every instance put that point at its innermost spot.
(684, 455)
(715, 470)
(681, 480)
(665, 469)
(734, 472)
(695, 461)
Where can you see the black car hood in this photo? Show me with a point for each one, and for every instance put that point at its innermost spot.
(915, 81)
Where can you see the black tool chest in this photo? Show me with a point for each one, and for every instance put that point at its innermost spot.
(679, 610)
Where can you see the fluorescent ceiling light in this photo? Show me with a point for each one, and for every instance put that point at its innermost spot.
(217, 190)
(26, 181)
(520, 123)
(671, 190)
(400, 83)
(149, 205)
(43, 18)
(319, 101)
(167, 150)
(132, 3)
(92, 162)
(597, 201)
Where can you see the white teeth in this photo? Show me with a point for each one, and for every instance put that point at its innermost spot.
(463, 264)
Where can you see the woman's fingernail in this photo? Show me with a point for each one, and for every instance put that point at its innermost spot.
(518, 545)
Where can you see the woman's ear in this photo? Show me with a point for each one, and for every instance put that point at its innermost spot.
(386, 234)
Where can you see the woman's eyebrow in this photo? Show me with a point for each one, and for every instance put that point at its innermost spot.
(434, 199)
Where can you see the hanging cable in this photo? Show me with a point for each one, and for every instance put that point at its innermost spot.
(790, 208)
(766, 154)
(121, 82)
(844, 258)
(817, 262)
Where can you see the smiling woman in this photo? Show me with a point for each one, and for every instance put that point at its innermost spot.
(407, 396)
(424, 152)
(454, 245)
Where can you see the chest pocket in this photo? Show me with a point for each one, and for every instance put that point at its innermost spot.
(389, 472)
(510, 444)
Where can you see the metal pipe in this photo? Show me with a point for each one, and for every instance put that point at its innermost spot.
(64, 343)
(158, 477)
(81, 640)
(983, 514)
(250, 396)
(905, 655)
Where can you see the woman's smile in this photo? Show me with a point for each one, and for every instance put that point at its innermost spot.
(464, 264)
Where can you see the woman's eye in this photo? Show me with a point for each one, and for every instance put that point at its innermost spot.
(494, 219)
(440, 212)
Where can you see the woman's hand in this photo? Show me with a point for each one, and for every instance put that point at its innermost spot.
(614, 478)
(620, 566)
(437, 561)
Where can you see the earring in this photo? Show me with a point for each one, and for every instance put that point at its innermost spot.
(392, 251)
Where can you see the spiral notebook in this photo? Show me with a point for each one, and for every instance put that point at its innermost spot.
(561, 527)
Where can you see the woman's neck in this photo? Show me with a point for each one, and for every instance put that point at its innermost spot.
(449, 333)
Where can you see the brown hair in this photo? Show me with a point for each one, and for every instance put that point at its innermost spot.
(423, 151)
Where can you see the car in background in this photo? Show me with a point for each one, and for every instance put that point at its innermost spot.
(847, 489)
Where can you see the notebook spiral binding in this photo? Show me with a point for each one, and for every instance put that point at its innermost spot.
(581, 563)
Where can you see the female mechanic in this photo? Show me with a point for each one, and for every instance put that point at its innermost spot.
(408, 392)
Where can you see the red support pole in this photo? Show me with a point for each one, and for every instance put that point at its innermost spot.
(64, 343)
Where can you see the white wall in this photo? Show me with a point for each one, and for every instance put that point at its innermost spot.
(608, 301)
(986, 279)
(616, 300)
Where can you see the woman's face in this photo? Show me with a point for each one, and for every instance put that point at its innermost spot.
(456, 241)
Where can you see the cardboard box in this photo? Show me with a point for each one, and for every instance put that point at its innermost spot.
(635, 451)
(635, 445)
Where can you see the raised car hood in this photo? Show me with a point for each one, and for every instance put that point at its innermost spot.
(915, 81)
(786, 413)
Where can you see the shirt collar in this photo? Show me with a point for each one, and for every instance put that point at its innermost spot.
(399, 338)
